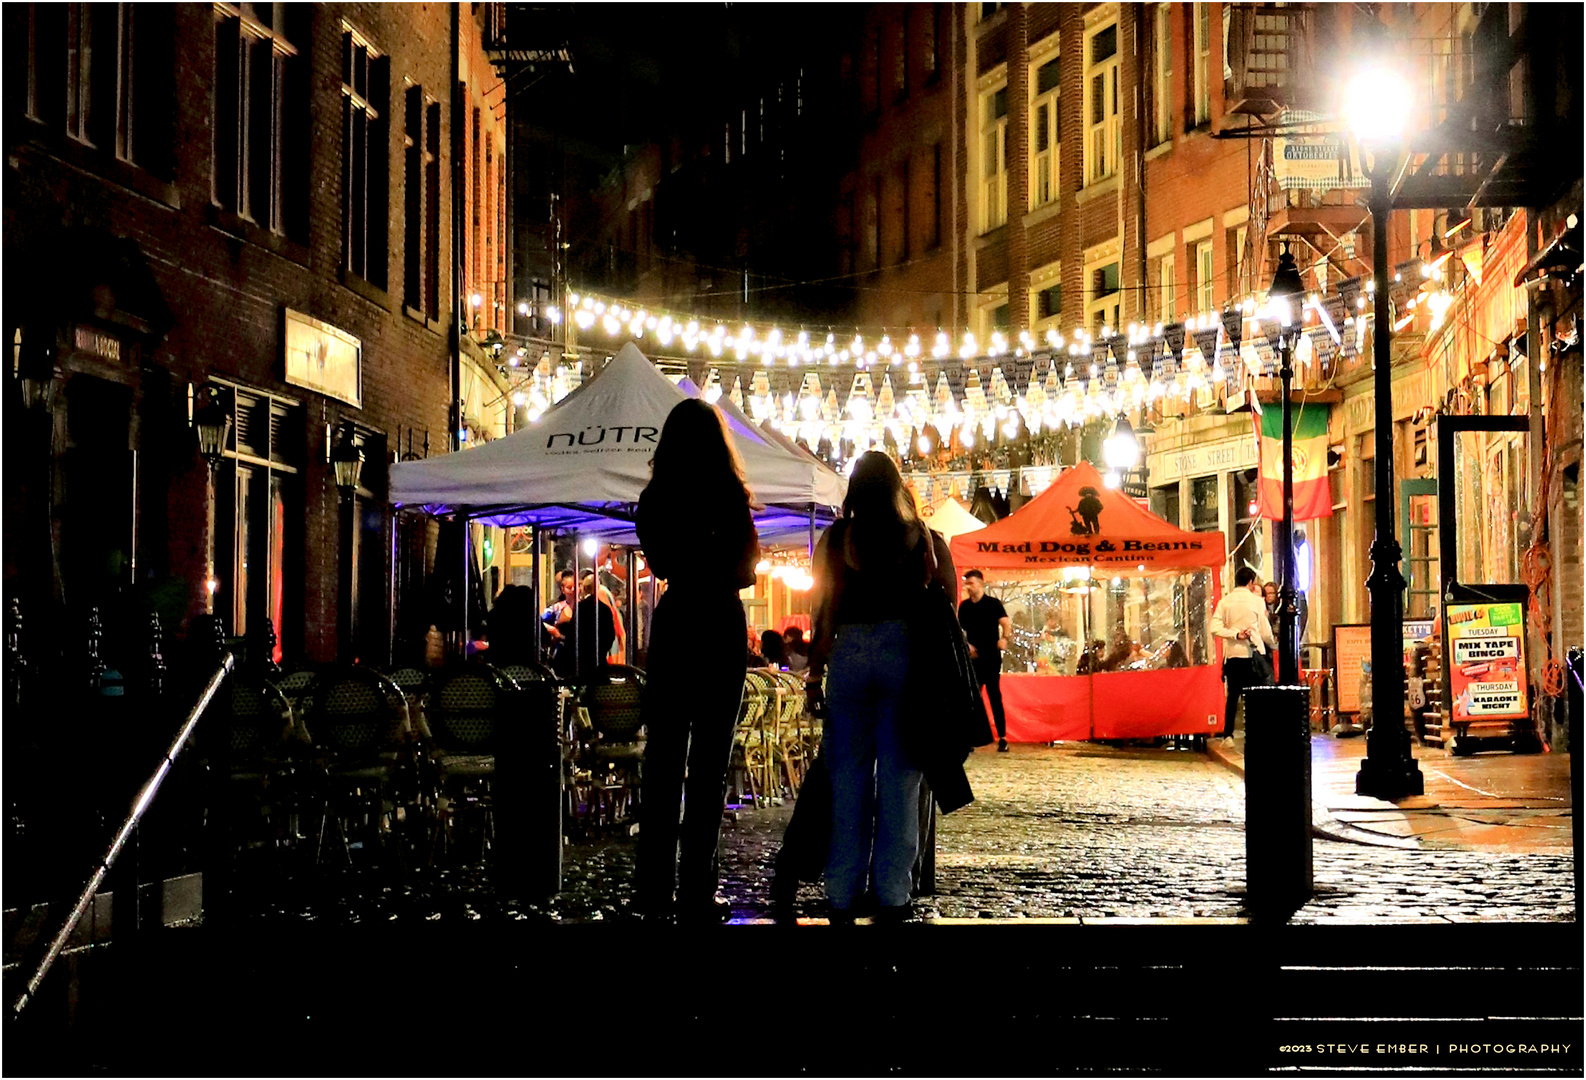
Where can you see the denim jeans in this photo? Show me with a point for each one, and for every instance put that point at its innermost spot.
(875, 793)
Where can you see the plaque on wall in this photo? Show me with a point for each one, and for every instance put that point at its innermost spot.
(323, 358)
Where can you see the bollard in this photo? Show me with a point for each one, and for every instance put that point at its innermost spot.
(1278, 870)
(526, 796)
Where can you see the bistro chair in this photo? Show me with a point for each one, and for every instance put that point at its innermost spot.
(767, 733)
(359, 723)
(748, 747)
(792, 745)
(261, 739)
(298, 686)
(467, 706)
(612, 700)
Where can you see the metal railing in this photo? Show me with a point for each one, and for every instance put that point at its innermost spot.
(145, 797)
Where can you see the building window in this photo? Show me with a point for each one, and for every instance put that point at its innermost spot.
(994, 160)
(1167, 289)
(1104, 143)
(1103, 305)
(262, 466)
(1046, 131)
(988, 10)
(1200, 95)
(421, 202)
(1161, 74)
(365, 99)
(1049, 302)
(1205, 505)
(101, 72)
(1237, 285)
(257, 95)
(1204, 281)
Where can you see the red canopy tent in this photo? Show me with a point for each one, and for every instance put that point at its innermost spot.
(1098, 558)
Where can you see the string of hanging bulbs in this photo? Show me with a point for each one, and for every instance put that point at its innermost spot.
(899, 384)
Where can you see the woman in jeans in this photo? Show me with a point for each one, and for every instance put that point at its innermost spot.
(695, 528)
(870, 568)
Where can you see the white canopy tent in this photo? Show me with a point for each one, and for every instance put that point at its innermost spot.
(582, 464)
(950, 518)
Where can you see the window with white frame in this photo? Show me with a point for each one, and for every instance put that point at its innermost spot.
(1046, 298)
(1237, 285)
(1201, 89)
(992, 316)
(365, 99)
(1045, 133)
(1161, 74)
(1167, 288)
(1203, 277)
(255, 54)
(994, 159)
(1104, 133)
(1103, 295)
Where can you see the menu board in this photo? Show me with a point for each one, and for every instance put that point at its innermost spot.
(1351, 648)
(1486, 661)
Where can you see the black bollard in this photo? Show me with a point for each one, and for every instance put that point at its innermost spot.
(1278, 868)
(527, 796)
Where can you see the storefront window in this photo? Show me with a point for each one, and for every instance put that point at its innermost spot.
(1247, 522)
(1165, 503)
(1204, 516)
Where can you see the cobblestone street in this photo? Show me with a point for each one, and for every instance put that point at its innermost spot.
(1076, 831)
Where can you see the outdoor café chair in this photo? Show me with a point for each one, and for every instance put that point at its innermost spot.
(468, 705)
(359, 724)
(768, 734)
(615, 753)
(748, 745)
(260, 739)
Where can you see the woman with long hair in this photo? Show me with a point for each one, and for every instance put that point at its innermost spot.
(695, 526)
(870, 568)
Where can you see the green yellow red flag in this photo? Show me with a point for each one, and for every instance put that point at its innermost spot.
(1312, 499)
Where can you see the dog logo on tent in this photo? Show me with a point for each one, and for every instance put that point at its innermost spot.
(1087, 516)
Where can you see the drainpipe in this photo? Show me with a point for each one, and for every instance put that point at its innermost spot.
(459, 301)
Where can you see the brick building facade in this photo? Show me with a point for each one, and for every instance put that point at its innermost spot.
(268, 222)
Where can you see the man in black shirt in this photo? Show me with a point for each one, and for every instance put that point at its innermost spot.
(986, 624)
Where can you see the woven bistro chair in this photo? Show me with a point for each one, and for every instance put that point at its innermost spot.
(615, 753)
(768, 734)
(793, 745)
(358, 720)
(261, 740)
(467, 706)
(748, 746)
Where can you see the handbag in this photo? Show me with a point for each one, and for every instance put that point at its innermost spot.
(946, 712)
(1260, 668)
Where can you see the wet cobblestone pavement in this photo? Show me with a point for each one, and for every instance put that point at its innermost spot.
(1076, 831)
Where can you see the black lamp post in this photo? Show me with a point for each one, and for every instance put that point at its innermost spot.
(1378, 102)
(347, 460)
(1284, 299)
(211, 422)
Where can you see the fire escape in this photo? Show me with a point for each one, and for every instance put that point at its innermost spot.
(525, 44)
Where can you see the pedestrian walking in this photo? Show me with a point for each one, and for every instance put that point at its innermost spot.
(695, 526)
(870, 571)
(1241, 621)
(987, 626)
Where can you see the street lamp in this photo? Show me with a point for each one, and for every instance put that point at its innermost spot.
(346, 458)
(1283, 299)
(211, 421)
(36, 370)
(1120, 451)
(1377, 105)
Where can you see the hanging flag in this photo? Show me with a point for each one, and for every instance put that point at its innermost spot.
(1312, 499)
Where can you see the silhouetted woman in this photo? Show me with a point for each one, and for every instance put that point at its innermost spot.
(870, 568)
(695, 528)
